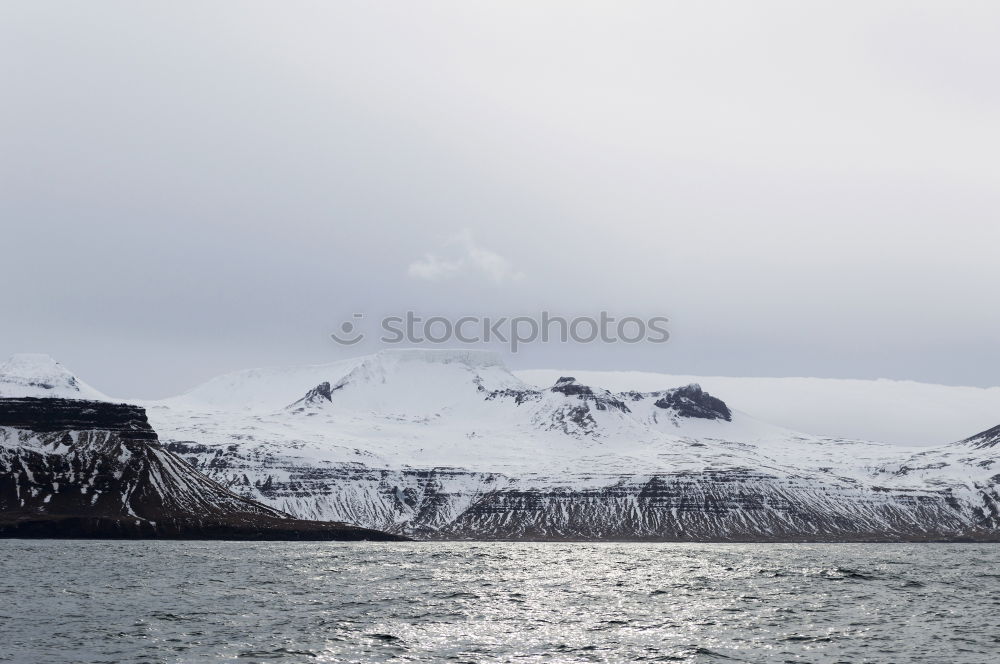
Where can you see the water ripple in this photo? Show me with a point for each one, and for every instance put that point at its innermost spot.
(174, 602)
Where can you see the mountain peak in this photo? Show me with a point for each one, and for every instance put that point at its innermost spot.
(31, 361)
(414, 380)
(40, 375)
(471, 358)
(567, 385)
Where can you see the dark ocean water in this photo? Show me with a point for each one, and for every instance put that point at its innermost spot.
(66, 601)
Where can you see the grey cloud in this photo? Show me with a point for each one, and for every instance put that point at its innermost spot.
(802, 189)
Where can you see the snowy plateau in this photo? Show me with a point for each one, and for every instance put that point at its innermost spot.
(446, 444)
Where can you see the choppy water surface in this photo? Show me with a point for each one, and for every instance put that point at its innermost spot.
(64, 601)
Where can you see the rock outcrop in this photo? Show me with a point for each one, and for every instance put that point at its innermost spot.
(692, 401)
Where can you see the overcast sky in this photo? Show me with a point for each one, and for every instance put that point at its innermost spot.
(804, 188)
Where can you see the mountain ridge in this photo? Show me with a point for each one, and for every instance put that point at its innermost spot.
(452, 445)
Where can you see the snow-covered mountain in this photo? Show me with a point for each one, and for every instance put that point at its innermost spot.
(37, 375)
(450, 444)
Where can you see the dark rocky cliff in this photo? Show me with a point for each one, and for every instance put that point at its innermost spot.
(49, 415)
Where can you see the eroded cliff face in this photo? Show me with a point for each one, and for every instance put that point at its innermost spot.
(415, 502)
(717, 506)
(85, 468)
(735, 504)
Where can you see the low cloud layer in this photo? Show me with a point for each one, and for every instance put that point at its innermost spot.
(463, 258)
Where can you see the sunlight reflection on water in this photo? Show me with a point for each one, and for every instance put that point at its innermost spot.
(68, 601)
